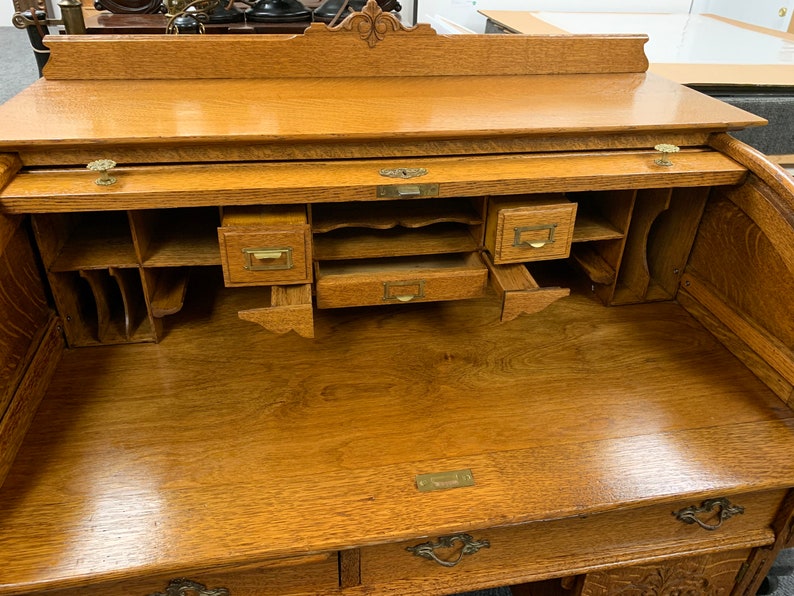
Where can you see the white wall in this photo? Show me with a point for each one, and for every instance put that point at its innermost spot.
(765, 13)
(464, 12)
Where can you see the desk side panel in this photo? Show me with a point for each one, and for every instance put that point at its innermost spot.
(740, 276)
(28, 338)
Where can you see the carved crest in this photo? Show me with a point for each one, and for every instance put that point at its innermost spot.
(372, 24)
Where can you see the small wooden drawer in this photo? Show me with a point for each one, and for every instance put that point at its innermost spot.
(314, 574)
(266, 246)
(532, 551)
(370, 282)
(521, 229)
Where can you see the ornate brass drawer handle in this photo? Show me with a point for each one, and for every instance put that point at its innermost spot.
(428, 549)
(186, 587)
(727, 510)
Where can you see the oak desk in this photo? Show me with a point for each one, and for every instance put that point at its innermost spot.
(342, 328)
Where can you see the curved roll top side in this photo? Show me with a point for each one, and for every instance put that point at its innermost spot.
(740, 276)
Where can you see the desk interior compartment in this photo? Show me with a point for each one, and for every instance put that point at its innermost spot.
(529, 228)
(369, 282)
(265, 245)
(397, 228)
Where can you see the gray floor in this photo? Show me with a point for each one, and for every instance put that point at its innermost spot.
(19, 70)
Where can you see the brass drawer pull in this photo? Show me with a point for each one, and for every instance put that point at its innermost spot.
(267, 259)
(182, 587)
(518, 233)
(418, 287)
(727, 510)
(427, 549)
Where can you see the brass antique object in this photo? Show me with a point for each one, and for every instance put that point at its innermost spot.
(519, 231)
(428, 549)
(444, 480)
(665, 149)
(182, 587)
(407, 191)
(103, 166)
(185, 16)
(689, 515)
(403, 172)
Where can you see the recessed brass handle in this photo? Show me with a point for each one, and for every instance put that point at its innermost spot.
(418, 285)
(103, 166)
(689, 515)
(666, 150)
(469, 547)
(268, 259)
(519, 232)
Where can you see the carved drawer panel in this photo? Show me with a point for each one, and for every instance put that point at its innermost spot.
(533, 551)
(370, 282)
(315, 574)
(521, 229)
(265, 246)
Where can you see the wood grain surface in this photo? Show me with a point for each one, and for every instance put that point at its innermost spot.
(541, 410)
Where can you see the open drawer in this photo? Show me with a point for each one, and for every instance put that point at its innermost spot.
(368, 282)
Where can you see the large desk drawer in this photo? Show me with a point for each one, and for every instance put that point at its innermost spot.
(314, 574)
(533, 551)
(391, 281)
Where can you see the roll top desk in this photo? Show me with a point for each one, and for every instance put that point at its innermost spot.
(370, 310)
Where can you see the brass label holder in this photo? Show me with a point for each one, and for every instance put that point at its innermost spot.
(444, 480)
(407, 191)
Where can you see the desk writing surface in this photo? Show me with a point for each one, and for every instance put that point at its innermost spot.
(236, 111)
(242, 446)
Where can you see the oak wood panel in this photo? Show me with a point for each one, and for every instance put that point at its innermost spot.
(341, 148)
(103, 114)
(23, 306)
(782, 388)
(761, 559)
(133, 57)
(29, 389)
(537, 551)
(706, 575)
(356, 244)
(196, 185)
(290, 310)
(368, 282)
(424, 405)
(313, 574)
(744, 265)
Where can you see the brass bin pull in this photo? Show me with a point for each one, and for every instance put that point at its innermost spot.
(428, 549)
(539, 243)
(689, 515)
(267, 259)
(408, 290)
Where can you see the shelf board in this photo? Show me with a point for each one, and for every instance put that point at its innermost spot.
(359, 244)
(390, 214)
(100, 246)
(589, 227)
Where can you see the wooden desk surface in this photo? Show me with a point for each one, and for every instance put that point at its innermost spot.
(160, 439)
(687, 48)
